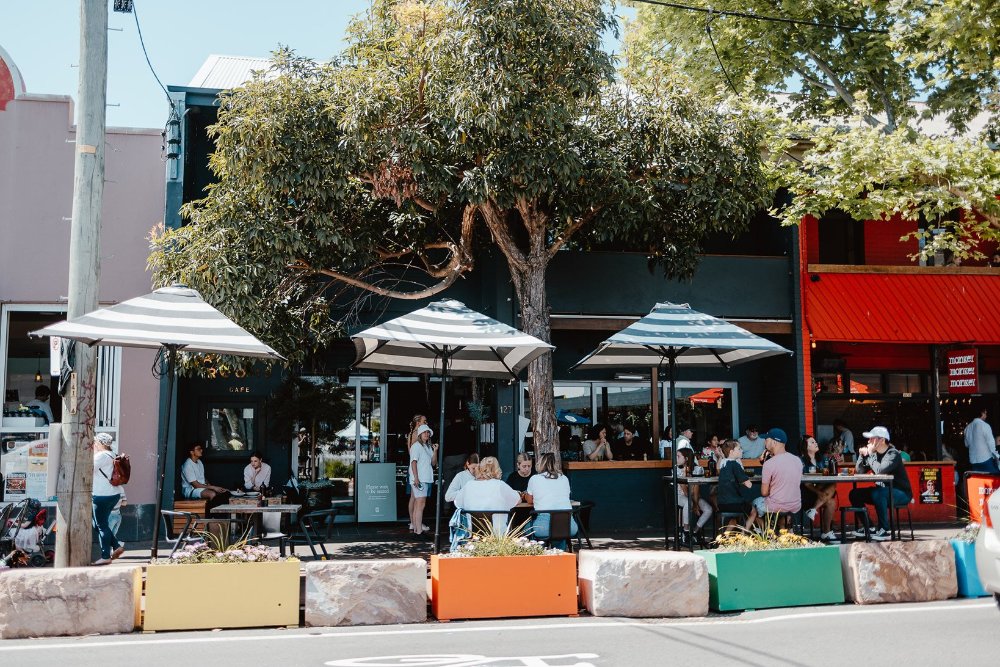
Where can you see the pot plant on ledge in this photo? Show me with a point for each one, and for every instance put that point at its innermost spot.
(964, 545)
(769, 568)
(503, 576)
(248, 586)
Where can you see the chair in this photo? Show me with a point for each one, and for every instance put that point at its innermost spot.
(909, 521)
(308, 532)
(560, 526)
(859, 513)
(480, 518)
(187, 521)
(725, 517)
(582, 513)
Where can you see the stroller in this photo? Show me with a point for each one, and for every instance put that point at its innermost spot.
(22, 535)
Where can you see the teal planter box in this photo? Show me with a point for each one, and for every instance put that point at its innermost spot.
(779, 578)
(969, 585)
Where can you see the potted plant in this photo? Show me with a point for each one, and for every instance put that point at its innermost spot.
(503, 576)
(248, 585)
(771, 568)
(964, 545)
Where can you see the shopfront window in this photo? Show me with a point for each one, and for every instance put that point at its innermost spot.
(231, 430)
(707, 410)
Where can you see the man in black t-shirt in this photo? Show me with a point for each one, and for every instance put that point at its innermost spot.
(631, 447)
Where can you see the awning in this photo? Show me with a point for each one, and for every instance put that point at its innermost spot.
(928, 308)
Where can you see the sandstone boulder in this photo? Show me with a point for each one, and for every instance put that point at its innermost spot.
(899, 571)
(366, 592)
(640, 584)
(72, 601)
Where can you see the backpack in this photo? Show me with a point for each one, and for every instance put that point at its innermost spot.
(121, 470)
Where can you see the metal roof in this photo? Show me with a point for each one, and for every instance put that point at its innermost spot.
(928, 308)
(225, 72)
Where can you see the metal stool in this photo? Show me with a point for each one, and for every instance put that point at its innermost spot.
(861, 512)
(725, 517)
(909, 521)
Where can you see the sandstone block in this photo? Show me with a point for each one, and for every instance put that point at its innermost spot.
(366, 592)
(640, 584)
(898, 571)
(72, 601)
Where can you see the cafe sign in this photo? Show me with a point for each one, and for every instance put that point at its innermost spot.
(963, 371)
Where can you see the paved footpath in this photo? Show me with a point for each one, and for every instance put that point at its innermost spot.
(956, 632)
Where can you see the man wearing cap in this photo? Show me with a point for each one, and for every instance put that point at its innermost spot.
(751, 443)
(881, 458)
(781, 477)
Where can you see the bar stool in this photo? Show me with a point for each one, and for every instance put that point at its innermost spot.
(858, 512)
(909, 521)
(726, 517)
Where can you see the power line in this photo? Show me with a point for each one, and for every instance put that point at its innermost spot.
(761, 17)
(142, 43)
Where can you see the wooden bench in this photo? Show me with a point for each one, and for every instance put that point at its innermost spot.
(194, 506)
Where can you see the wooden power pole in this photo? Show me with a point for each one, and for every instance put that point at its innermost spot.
(76, 464)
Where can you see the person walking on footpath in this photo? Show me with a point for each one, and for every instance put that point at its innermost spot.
(105, 497)
(981, 444)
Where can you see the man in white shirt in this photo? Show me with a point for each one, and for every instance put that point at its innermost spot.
(684, 439)
(981, 445)
(193, 482)
(41, 402)
(751, 443)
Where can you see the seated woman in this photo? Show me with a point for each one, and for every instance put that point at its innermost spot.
(464, 476)
(549, 490)
(597, 447)
(518, 480)
(736, 492)
(488, 492)
(689, 500)
(818, 497)
(257, 474)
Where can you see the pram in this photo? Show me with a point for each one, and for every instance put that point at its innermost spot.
(22, 535)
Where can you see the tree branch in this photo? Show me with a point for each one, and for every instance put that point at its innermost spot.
(496, 222)
(572, 229)
(301, 265)
(840, 88)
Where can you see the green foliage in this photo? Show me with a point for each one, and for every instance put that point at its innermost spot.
(766, 538)
(485, 543)
(323, 404)
(339, 470)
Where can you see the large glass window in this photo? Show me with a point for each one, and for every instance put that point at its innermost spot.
(707, 411)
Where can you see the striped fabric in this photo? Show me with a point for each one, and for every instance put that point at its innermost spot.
(695, 338)
(169, 316)
(477, 345)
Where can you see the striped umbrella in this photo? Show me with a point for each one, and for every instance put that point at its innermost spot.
(447, 338)
(173, 319)
(675, 334)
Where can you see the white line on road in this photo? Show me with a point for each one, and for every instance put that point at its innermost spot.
(447, 628)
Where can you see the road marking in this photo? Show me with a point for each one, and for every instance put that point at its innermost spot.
(450, 628)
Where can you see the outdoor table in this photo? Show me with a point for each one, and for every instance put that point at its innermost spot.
(576, 506)
(254, 514)
(853, 479)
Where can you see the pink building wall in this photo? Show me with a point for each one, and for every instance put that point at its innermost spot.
(36, 191)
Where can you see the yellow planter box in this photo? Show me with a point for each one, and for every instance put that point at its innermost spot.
(221, 595)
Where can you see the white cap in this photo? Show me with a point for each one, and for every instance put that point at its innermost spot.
(877, 432)
(104, 438)
(425, 428)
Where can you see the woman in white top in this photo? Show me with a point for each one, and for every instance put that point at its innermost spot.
(411, 437)
(421, 475)
(549, 490)
(488, 492)
(105, 496)
(256, 474)
(465, 475)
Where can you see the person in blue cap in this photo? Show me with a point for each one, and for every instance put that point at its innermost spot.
(781, 477)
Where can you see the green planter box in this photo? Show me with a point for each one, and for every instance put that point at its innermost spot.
(780, 578)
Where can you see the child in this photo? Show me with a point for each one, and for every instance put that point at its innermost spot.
(688, 498)
(735, 489)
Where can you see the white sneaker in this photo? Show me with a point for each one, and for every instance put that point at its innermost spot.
(811, 514)
(830, 538)
(881, 535)
(860, 532)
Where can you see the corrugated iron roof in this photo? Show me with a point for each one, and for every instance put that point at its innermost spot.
(225, 72)
(903, 308)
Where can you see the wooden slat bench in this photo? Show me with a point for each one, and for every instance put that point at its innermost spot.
(194, 506)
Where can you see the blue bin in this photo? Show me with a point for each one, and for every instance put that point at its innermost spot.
(969, 585)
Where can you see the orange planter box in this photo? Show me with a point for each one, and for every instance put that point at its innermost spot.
(503, 587)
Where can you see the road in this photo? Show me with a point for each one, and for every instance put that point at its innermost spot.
(903, 634)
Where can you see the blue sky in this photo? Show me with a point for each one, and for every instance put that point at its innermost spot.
(43, 40)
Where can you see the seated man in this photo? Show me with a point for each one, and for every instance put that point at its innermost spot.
(193, 483)
(256, 474)
(881, 458)
(781, 478)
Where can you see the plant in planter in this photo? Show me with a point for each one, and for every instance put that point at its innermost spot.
(253, 586)
(964, 546)
(502, 576)
(771, 568)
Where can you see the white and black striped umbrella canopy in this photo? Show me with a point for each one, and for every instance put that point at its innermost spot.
(693, 338)
(170, 316)
(476, 345)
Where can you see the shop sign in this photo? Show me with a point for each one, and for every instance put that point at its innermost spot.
(377, 492)
(930, 486)
(979, 487)
(963, 371)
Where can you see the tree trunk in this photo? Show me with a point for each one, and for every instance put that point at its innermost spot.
(530, 289)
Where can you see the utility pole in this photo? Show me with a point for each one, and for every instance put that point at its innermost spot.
(76, 464)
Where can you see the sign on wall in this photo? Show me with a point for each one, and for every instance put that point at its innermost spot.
(963, 371)
(979, 486)
(376, 492)
(930, 486)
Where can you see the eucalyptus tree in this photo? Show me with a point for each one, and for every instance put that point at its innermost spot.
(445, 129)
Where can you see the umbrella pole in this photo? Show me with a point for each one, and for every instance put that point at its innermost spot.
(672, 502)
(440, 470)
(161, 455)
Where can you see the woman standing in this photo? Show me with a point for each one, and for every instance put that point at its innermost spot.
(105, 497)
(421, 476)
(549, 490)
(411, 437)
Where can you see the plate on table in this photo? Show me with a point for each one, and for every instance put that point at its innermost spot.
(236, 493)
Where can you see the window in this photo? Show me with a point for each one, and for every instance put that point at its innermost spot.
(231, 429)
(905, 383)
(866, 383)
